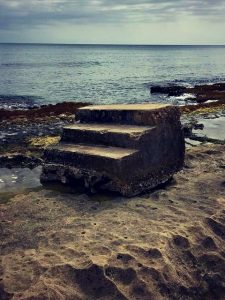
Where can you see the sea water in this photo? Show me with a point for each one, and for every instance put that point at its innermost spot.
(35, 74)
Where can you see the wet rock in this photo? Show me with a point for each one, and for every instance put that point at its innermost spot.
(66, 108)
(170, 90)
(190, 125)
(19, 161)
(202, 93)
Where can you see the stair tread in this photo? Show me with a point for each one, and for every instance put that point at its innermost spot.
(114, 128)
(128, 107)
(103, 151)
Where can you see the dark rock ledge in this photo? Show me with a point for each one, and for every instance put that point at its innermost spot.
(202, 93)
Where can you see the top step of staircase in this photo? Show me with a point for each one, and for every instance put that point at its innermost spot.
(136, 114)
(121, 107)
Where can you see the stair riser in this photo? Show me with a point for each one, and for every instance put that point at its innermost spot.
(114, 139)
(162, 153)
(169, 114)
(163, 148)
(116, 167)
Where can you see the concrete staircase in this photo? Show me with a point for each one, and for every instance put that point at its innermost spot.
(124, 148)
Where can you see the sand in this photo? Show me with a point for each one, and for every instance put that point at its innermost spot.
(167, 244)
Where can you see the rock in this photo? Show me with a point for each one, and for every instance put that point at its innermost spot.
(65, 108)
(202, 93)
(171, 90)
(19, 161)
(189, 126)
(122, 148)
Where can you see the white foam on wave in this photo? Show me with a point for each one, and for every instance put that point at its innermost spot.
(210, 101)
(183, 99)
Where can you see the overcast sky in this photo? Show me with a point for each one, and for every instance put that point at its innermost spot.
(113, 21)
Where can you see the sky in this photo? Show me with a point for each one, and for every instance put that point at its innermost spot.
(113, 21)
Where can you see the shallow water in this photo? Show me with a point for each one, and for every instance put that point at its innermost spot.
(17, 180)
(213, 128)
(23, 180)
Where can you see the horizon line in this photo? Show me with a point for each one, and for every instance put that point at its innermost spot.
(107, 44)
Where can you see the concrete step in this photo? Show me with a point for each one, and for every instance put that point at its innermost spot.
(97, 158)
(136, 114)
(125, 148)
(127, 136)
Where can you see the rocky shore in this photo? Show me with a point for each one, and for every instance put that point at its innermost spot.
(166, 244)
(203, 103)
(25, 133)
(199, 93)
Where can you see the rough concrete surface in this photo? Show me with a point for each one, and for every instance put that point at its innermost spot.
(128, 159)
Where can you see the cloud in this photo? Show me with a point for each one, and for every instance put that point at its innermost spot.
(113, 21)
(24, 13)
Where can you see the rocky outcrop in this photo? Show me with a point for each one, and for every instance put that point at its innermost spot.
(41, 112)
(122, 148)
(202, 93)
(170, 90)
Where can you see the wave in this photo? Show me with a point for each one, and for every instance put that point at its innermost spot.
(52, 64)
(187, 81)
(19, 101)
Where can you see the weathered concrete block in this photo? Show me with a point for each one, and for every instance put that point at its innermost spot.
(131, 114)
(127, 148)
(126, 136)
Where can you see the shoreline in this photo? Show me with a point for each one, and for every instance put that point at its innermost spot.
(28, 132)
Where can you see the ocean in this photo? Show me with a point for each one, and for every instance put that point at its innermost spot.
(36, 74)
